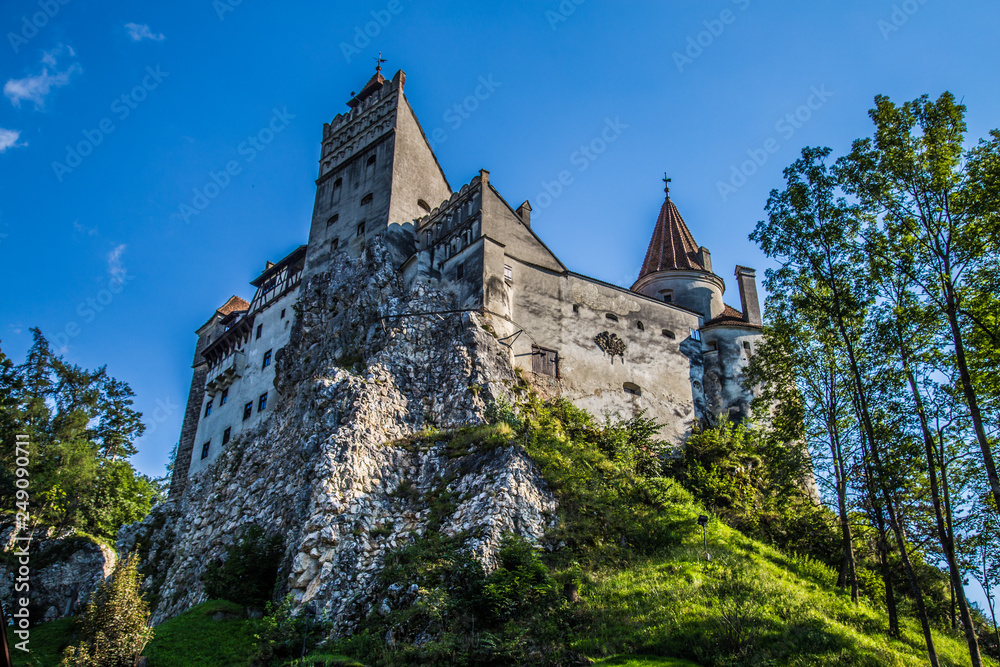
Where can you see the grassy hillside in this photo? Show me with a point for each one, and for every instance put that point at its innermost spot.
(629, 541)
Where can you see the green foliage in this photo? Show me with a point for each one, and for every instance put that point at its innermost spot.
(114, 628)
(81, 429)
(281, 635)
(459, 615)
(248, 574)
(753, 481)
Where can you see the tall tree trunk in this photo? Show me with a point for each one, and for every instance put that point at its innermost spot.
(947, 545)
(894, 524)
(883, 544)
(970, 394)
(845, 522)
(949, 524)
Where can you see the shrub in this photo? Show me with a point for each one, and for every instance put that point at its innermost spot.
(114, 627)
(248, 574)
(282, 635)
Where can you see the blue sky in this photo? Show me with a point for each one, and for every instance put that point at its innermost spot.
(114, 113)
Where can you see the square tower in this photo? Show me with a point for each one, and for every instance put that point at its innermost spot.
(376, 169)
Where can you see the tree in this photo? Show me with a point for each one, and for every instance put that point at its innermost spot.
(812, 232)
(114, 628)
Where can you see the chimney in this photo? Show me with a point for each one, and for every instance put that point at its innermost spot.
(705, 257)
(747, 279)
(524, 212)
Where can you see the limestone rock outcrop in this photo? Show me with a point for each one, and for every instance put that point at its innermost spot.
(347, 466)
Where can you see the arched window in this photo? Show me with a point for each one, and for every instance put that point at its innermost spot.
(370, 167)
(367, 199)
(338, 186)
(424, 205)
(612, 317)
(333, 219)
(669, 334)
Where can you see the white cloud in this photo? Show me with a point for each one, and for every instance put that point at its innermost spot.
(141, 31)
(115, 268)
(84, 230)
(36, 87)
(8, 139)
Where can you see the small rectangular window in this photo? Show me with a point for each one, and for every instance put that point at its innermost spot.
(225, 435)
(712, 346)
(247, 410)
(282, 314)
(669, 334)
(460, 271)
(746, 347)
(361, 228)
(267, 360)
(260, 329)
(204, 449)
(225, 397)
(335, 245)
(262, 402)
(208, 407)
(508, 273)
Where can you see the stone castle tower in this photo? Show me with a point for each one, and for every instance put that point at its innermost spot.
(669, 345)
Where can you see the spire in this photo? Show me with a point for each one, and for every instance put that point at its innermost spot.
(373, 84)
(672, 246)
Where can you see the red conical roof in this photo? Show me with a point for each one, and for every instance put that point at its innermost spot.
(672, 246)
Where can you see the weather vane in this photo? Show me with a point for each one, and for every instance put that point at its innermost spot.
(666, 182)
(378, 63)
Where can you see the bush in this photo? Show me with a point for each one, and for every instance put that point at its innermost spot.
(114, 628)
(282, 635)
(248, 574)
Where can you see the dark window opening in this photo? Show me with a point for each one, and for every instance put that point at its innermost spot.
(544, 362)
(576, 308)
(669, 334)
(208, 407)
(225, 435)
(267, 360)
(338, 185)
(424, 205)
(260, 328)
(334, 245)
(712, 346)
(367, 199)
(282, 314)
(631, 388)
(370, 167)
(668, 295)
(225, 397)
(361, 228)
(640, 326)
(262, 402)
(332, 219)
(204, 449)
(247, 410)
(460, 272)
(612, 317)
(746, 347)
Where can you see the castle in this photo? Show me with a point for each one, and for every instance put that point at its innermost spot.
(669, 345)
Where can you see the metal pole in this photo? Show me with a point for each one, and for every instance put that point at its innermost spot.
(5, 660)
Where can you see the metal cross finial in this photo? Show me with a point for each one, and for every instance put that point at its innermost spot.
(378, 63)
(666, 181)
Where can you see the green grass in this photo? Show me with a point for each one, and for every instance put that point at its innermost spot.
(196, 639)
(45, 644)
(642, 661)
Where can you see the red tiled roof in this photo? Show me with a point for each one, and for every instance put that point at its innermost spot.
(732, 317)
(672, 245)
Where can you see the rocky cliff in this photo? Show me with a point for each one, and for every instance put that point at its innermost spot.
(348, 465)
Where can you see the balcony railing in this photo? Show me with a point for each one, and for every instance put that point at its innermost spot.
(225, 373)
